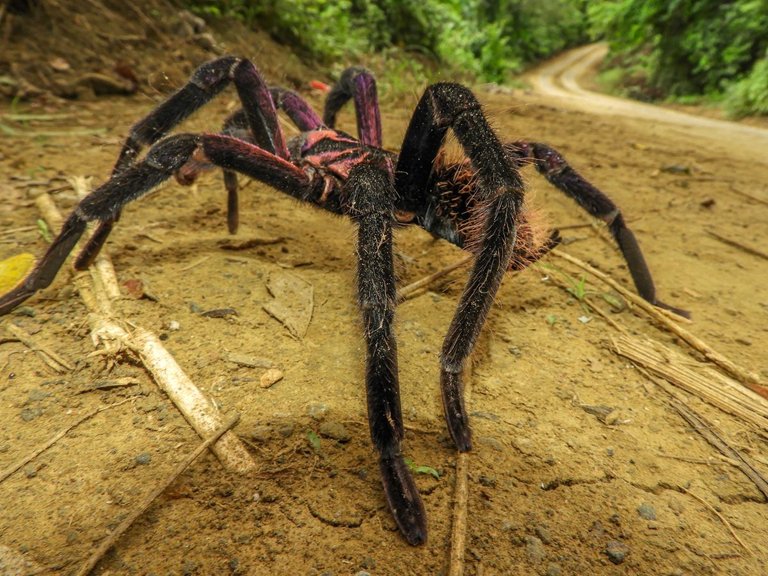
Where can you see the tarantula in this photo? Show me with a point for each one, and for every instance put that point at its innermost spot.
(476, 203)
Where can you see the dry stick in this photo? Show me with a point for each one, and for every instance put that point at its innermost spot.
(55, 438)
(708, 432)
(195, 263)
(739, 245)
(748, 378)
(712, 387)
(147, 502)
(12, 231)
(102, 271)
(575, 226)
(407, 292)
(460, 497)
(722, 519)
(750, 196)
(53, 360)
(202, 414)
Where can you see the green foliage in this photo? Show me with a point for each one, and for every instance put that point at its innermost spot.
(44, 231)
(680, 47)
(485, 38)
(421, 469)
(749, 95)
(314, 440)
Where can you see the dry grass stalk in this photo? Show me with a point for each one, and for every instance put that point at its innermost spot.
(721, 517)
(663, 317)
(736, 244)
(108, 331)
(710, 433)
(413, 288)
(110, 540)
(53, 439)
(708, 385)
(51, 358)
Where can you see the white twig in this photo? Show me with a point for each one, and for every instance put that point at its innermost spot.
(202, 415)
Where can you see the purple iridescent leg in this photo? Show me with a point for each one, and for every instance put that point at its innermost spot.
(162, 161)
(205, 83)
(360, 85)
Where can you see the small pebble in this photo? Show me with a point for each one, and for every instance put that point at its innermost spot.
(189, 567)
(487, 481)
(544, 534)
(219, 313)
(261, 433)
(270, 377)
(554, 569)
(491, 443)
(286, 430)
(335, 431)
(29, 414)
(36, 395)
(317, 410)
(25, 311)
(535, 549)
(225, 490)
(143, 458)
(646, 511)
(616, 551)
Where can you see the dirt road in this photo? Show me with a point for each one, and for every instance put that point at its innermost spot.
(559, 80)
(581, 465)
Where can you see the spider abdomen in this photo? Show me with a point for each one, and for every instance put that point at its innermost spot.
(456, 213)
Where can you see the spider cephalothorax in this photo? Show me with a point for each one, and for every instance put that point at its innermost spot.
(476, 203)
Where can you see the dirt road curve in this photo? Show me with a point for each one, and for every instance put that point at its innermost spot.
(560, 79)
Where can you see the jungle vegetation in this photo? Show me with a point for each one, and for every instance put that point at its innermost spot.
(659, 49)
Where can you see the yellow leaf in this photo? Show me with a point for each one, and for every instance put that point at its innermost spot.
(13, 269)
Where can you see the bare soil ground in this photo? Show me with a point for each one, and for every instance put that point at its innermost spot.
(581, 464)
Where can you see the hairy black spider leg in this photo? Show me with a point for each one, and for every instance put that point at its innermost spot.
(551, 164)
(161, 162)
(47, 267)
(233, 154)
(370, 203)
(204, 84)
(101, 204)
(500, 197)
(259, 109)
(359, 84)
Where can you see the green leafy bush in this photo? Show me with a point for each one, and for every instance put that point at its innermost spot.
(484, 38)
(685, 47)
(750, 95)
